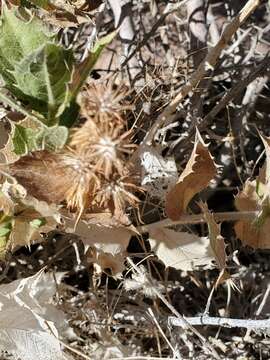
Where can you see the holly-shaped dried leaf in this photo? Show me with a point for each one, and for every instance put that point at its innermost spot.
(181, 250)
(253, 233)
(198, 173)
(255, 196)
(216, 240)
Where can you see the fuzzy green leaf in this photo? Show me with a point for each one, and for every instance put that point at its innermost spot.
(23, 140)
(52, 138)
(26, 139)
(43, 77)
(35, 69)
(18, 38)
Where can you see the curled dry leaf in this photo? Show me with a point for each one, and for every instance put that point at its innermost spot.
(181, 250)
(47, 176)
(216, 240)
(255, 196)
(198, 173)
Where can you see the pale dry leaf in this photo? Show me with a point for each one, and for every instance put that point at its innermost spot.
(255, 196)
(253, 233)
(7, 205)
(26, 313)
(181, 250)
(198, 173)
(216, 240)
(158, 174)
(107, 239)
(102, 236)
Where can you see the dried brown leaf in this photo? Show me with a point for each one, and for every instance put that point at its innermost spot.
(108, 240)
(180, 250)
(216, 240)
(112, 264)
(255, 196)
(198, 173)
(107, 237)
(253, 233)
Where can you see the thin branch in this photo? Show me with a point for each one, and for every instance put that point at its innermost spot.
(170, 8)
(174, 311)
(208, 64)
(224, 322)
(199, 219)
(242, 85)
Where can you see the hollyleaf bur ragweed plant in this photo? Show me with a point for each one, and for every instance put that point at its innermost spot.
(86, 169)
(92, 173)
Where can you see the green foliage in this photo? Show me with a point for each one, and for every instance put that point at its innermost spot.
(34, 68)
(27, 139)
(5, 230)
(37, 223)
(43, 76)
(18, 39)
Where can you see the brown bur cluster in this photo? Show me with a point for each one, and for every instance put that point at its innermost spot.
(93, 172)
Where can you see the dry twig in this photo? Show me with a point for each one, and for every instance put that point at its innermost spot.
(224, 322)
(208, 64)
